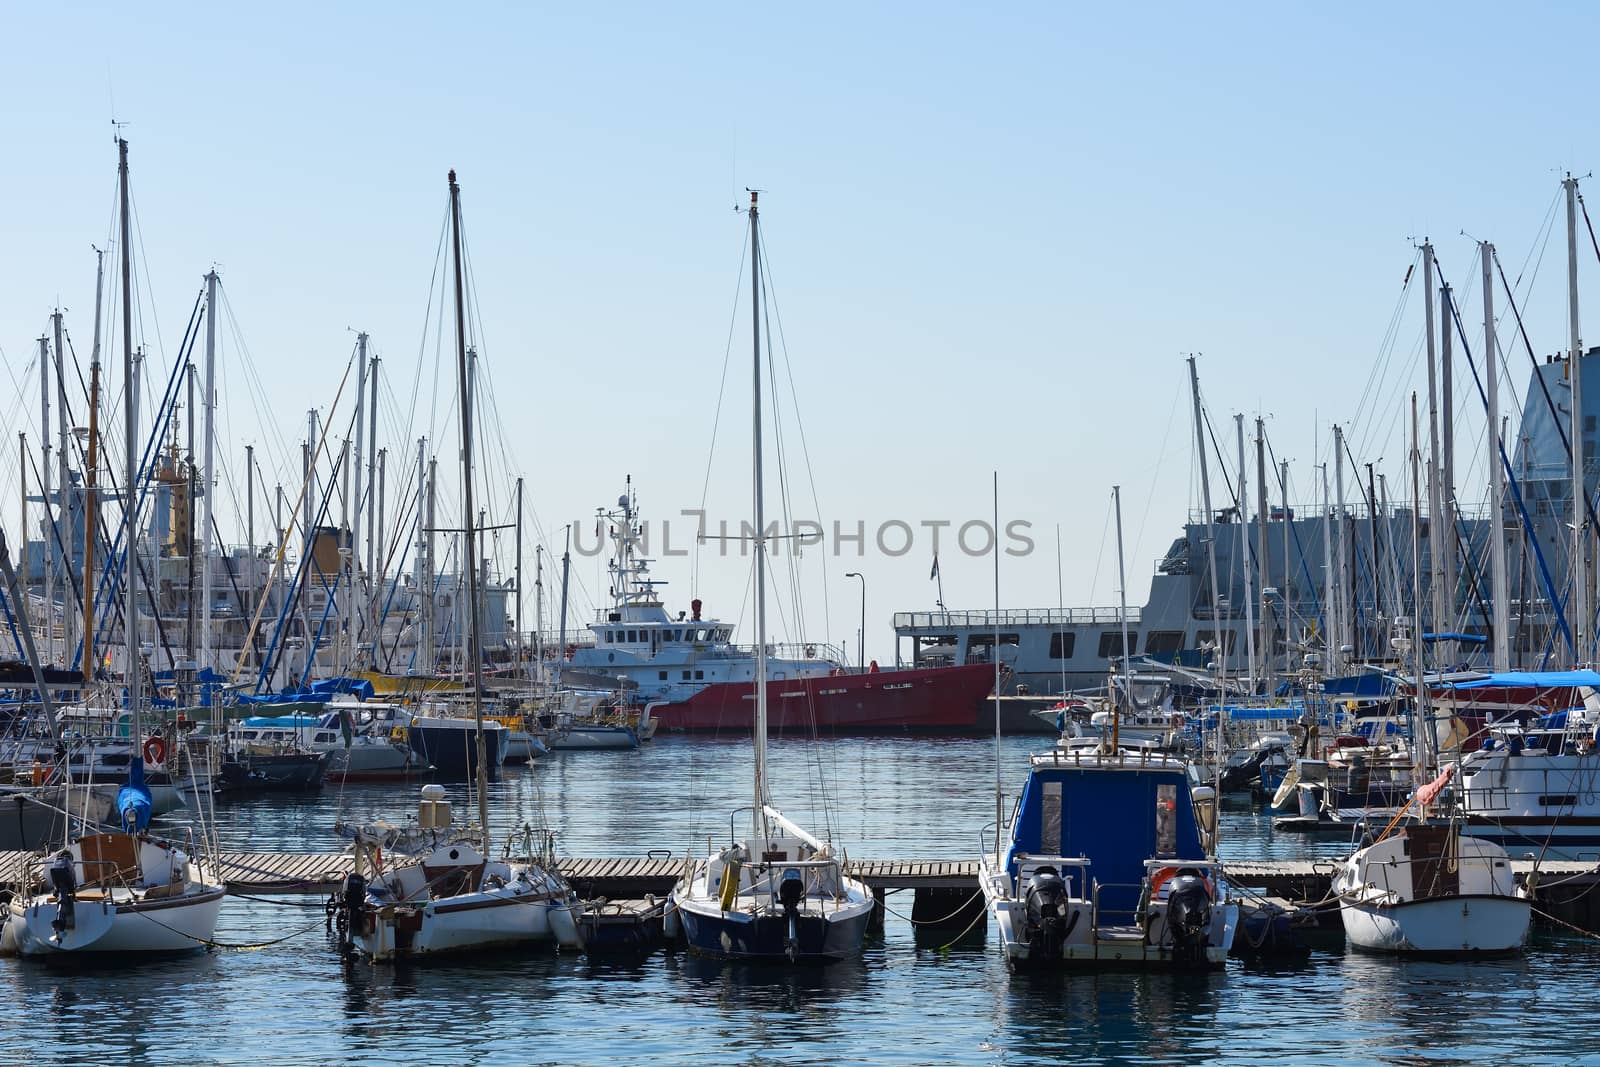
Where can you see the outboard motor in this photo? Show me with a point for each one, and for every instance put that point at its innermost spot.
(351, 909)
(65, 882)
(791, 891)
(1188, 915)
(1047, 907)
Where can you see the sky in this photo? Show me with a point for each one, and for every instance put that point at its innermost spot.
(994, 237)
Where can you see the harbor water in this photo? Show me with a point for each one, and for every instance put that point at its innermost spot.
(912, 999)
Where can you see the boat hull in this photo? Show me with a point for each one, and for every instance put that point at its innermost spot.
(167, 925)
(930, 700)
(581, 738)
(738, 935)
(452, 750)
(1463, 925)
(474, 922)
(291, 772)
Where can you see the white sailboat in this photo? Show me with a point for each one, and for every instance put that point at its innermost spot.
(121, 891)
(445, 893)
(780, 893)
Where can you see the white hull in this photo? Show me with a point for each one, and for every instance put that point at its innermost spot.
(1442, 925)
(595, 737)
(492, 919)
(172, 924)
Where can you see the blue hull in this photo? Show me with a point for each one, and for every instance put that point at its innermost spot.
(765, 938)
(453, 751)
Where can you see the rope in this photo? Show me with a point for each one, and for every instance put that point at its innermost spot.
(934, 922)
(250, 947)
(976, 919)
(1562, 922)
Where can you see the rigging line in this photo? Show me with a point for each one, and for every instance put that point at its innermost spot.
(805, 448)
(1166, 436)
(716, 418)
(1588, 225)
(422, 344)
(1379, 371)
(1516, 491)
(1222, 464)
(1550, 404)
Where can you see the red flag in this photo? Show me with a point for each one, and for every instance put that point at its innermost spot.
(1430, 792)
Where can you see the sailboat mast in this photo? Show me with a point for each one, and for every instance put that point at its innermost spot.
(1217, 633)
(1500, 624)
(90, 507)
(130, 474)
(999, 800)
(63, 492)
(208, 480)
(1423, 729)
(1122, 596)
(760, 516)
(1244, 559)
(1581, 613)
(470, 546)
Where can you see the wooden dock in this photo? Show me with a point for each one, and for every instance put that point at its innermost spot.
(625, 878)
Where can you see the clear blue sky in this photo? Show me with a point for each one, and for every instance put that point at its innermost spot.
(994, 236)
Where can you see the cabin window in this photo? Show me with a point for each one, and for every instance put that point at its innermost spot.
(1111, 643)
(633, 637)
(686, 676)
(699, 676)
(980, 648)
(324, 738)
(663, 675)
(1163, 642)
(1050, 842)
(1061, 645)
(1166, 819)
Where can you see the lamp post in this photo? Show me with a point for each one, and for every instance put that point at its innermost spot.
(861, 645)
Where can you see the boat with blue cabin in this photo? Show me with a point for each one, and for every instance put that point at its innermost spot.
(1106, 864)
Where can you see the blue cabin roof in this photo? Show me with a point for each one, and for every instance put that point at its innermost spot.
(1109, 814)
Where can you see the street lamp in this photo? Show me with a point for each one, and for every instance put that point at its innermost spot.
(861, 646)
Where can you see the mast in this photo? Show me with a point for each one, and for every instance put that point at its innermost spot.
(1438, 529)
(45, 477)
(91, 506)
(375, 544)
(999, 799)
(188, 525)
(566, 574)
(208, 479)
(760, 517)
(130, 473)
(1582, 615)
(1269, 628)
(1209, 519)
(521, 667)
(379, 565)
(424, 592)
(1447, 471)
(1344, 603)
(63, 493)
(1330, 581)
(1423, 730)
(356, 616)
(470, 546)
(1244, 553)
(1499, 584)
(1122, 595)
(250, 529)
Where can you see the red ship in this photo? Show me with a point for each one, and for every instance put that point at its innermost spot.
(952, 700)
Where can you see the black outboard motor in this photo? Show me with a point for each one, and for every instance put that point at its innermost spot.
(352, 907)
(791, 891)
(1048, 908)
(1188, 915)
(65, 882)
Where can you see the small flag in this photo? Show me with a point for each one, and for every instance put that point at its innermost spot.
(1430, 792)
(935, 572)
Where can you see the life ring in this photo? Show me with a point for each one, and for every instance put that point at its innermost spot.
(155, 749)
(1165, 874)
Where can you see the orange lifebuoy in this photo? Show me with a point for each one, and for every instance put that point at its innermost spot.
(155, 749)
(1163, 875)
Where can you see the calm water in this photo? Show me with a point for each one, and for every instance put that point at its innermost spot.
(905, 1003)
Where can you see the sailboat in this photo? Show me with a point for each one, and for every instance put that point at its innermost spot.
(780, 893)
(1432, 890)
(445, 893)
(121, 891)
